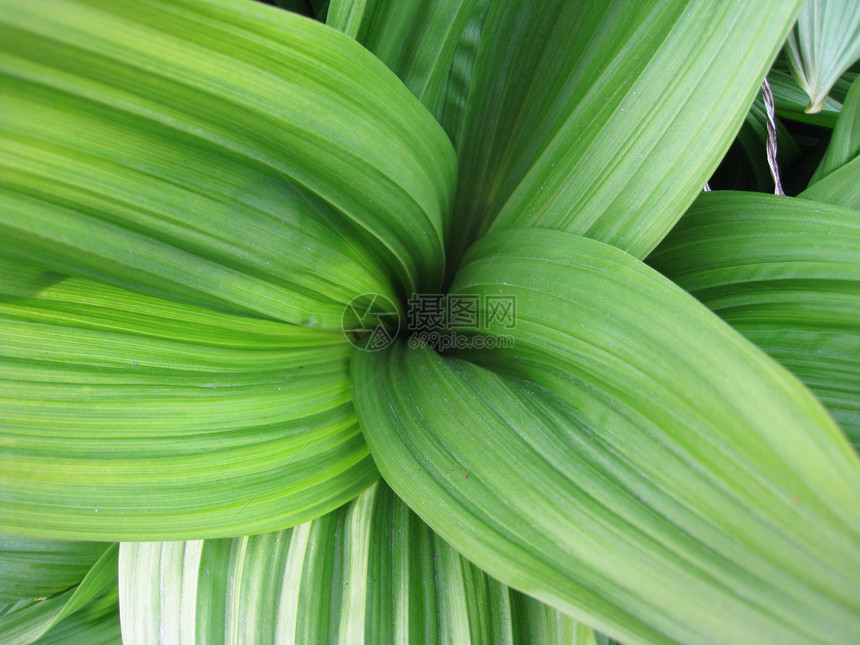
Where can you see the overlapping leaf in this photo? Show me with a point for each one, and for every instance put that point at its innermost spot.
(95, 624)
(126, 417)
(28, 621)
(631, 459)
(32, 568)
(442, 40)
(371, 572)
(837, 178)
(824, 43)
(786, 274)
(599, 118)
(222, 152)
(845, 140)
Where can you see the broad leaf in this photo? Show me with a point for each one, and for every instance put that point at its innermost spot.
(824, 43)
(786, 274)
(126, 417)
(32, 568)
(630, 459)
(601, 118)
(95, 624)
(218, 151)
(371, 572)
(28, 621)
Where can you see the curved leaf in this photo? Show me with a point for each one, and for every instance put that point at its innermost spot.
(124, 416)
(824, 43)
(443, 39)
(28, 622)
(841, 187)
(632, 461)
(95, 624)
(371, 572)
(844, 144)
(621, 132)
(32, 568)
(625, 125)
(790, 101)
(786, 274)
(222, 152)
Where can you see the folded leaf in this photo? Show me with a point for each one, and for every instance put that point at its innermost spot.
(786, 274)
(124, 416)
(370, 572)
(841, 187)
(791, 101)
(95, 624)
(32, 568)
(630, 459)
(824, 43)
(844, 144)
(222, 152)
(28, 622)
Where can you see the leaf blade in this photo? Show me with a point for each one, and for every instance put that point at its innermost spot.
(128, 416)
(615, 445)
(784, 272)
(370, 572)
(268, 163)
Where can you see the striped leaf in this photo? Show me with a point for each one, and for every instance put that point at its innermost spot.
(28, 621)
(127, 417)
(837, 178)
(630, 459)
(601, 118)
(371, 572)
(222, 152)
(844, 144)
(824, 43)
(786, 274)
(32, 568)
(95, 624)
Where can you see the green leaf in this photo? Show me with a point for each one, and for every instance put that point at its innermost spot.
(622, 131)
(630, 459)
(95, 624)
(791, 101)
(845, 142)
(786, 274)
(824, 43)
(837, 178)
(628, 121)
(371, 572)
(443, 38)
(32, 568)
(220, 152)
(841, 187)
(127, 417)
(28, 622)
